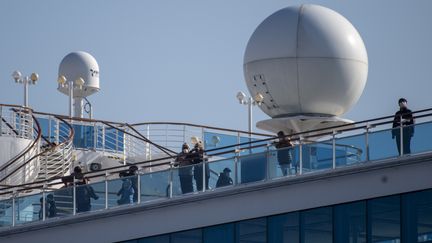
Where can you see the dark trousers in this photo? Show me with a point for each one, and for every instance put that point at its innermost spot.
(198, 175)
(186, 183)
(406, 143)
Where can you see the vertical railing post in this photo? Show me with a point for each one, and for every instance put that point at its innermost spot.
(95, 136)
(401, 136)
(236, 158)
(267, 156)
(301, 155)
(43, 202)
(184, 133)
(74, 197)
(334, 148)
(171, 180)
(368, 126)
(57, 131)
(204, 175)
(139, 186)
(106, 189)
(13, 208)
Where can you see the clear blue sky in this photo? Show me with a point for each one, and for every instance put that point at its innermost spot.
(183, 60)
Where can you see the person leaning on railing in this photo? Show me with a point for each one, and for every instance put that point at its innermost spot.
(403, 118)
(284, 153)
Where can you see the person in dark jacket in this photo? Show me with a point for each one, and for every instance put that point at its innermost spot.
(126, 193)
(184, 162)
(132, 173)
(403, 118)
(284, 152)
(50, 207)
(197, 156)
(224, 178)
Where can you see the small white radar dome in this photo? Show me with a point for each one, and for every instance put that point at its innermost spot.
(306, 60)
(81, 68)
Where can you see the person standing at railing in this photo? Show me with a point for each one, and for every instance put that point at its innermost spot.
(126, 193)
(184, 162)
(132, 172)
(50, 207)
(197, 155)
(284, 156)
(403, 118)
(224, 178)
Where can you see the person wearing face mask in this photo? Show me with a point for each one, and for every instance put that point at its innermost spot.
(403, 118)
(185, 169)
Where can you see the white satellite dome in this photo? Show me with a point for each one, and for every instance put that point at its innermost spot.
(79, 65)
(306, 60)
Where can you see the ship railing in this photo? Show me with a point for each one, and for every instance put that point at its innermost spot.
(172, 135)
(19, 123)
(52, 159)
(311, 154)
(58, 153)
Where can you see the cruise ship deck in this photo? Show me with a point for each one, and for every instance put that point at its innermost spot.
(345, 184)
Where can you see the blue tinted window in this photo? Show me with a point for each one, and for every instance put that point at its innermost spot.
(254, 230)
(384, 220)
(417, 216)
(317, 226)
(284, 228)
(350, 222)
(221, 233)
(190, 236)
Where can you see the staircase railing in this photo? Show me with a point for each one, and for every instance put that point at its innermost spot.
(57, 159)
(19, 122)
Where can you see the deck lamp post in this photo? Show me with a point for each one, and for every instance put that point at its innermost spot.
(250, 101)
(70, 84)
(17, 76)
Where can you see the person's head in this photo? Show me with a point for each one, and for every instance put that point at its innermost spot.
(226, 171)
(77, 169)
(133, 169)
(281, 134)
(199, 145)
(50, 197)
(185, 148)
(403, 103)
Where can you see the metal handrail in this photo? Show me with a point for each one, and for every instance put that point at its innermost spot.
(29, 148)
(237, 147)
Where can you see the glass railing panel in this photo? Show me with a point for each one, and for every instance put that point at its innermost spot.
(155, 185)
(317, 156)
(421, 137)
(99, 190)
(183, 181)
(221, 173)
(6, 212)
(283, 162)
(28, 208)
(350, 150)
(85, 198)
(382, 144)
(63, 199)
(116, 195)
(252, 168)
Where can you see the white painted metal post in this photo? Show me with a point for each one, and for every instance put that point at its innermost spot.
(367, 141)
(106, 190)
(74, 197)
(70, 98)
(401, 136)
(13, 208)
(301, 156)
(139, 186)
(334, 149)
(26, 80)
(43, 203)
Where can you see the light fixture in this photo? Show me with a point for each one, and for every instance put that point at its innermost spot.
(258, 98)
(241, 97)
(18, 77)
(61, 80)
(79, 82)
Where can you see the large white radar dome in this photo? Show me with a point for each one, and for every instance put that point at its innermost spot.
(306, 60)
(79, 65)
